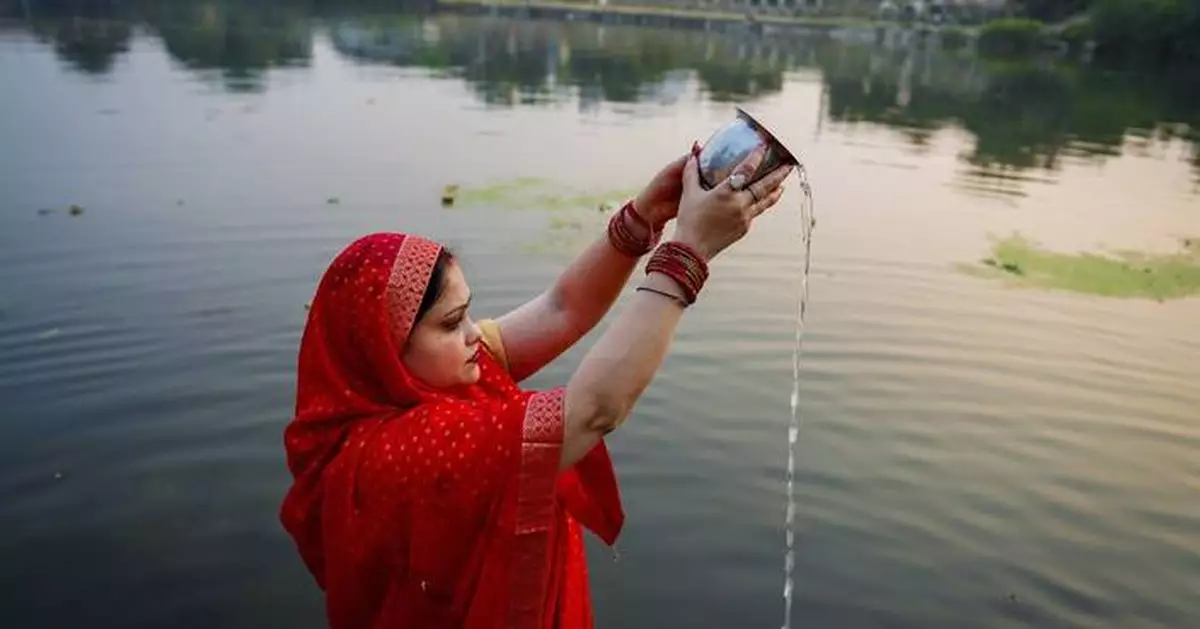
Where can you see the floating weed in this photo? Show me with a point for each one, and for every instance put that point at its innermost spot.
(1122, 274)
(333, 201)
(575, 210)
(1010, 267)
(531, 193)
(75, 210)
(602, 201)
(506, 194)
(528, 182)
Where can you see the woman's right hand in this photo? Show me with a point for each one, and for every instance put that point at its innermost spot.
(711, 220)
(619, 367)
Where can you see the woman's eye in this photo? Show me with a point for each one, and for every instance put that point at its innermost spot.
(452, 324)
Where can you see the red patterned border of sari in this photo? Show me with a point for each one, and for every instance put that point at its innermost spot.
(406, 284)
(541, 452)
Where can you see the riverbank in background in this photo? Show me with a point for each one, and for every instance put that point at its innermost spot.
(1112, 30)
(659, 16)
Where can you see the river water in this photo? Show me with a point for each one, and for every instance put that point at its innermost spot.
(973, 455)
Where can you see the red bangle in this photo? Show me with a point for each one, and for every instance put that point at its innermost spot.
(624, 240)
(637, 218)
(682, 264)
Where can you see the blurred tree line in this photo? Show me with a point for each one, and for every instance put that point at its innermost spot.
(1129, 30)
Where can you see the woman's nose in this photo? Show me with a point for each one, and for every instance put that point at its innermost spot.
(474, 334)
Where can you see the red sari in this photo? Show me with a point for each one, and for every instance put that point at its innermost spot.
(422, 508)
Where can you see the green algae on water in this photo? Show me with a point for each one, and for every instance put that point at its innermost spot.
(532, 193)
(507, 194)
(1122, 274)
(577, 214)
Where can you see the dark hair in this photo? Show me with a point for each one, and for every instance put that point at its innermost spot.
(437, 283)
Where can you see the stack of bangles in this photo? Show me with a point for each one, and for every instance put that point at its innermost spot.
(676, 260)
(623, 239)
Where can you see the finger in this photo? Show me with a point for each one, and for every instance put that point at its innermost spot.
(759, 190)
(773, 180)
(691, 175)
(746, 169)
(675, 168)
(682, 159)
(752, 161)
(768, 202)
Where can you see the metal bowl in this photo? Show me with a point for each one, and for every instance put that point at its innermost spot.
(732, 143)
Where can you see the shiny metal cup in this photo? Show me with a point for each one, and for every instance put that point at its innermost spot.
(732, 143)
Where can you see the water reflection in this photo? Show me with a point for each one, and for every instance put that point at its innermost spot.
(527, 63)
(233, 42)
(89, 46)
(1026, 118)
(236, 43)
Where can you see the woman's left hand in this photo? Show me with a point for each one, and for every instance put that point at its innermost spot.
(658, 202)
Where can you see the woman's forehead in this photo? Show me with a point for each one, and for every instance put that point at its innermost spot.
(456, 291)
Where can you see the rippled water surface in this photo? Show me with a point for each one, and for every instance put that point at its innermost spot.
(972, 455)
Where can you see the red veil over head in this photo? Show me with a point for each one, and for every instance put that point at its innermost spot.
(421, 507)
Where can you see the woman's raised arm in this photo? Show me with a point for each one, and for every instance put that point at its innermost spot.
(616, 371)
(545, 327)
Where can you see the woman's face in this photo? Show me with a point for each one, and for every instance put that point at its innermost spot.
(443, 347)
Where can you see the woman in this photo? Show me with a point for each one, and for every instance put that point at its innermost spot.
(430, 490)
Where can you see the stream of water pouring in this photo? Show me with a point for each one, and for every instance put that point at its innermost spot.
(807, 223)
